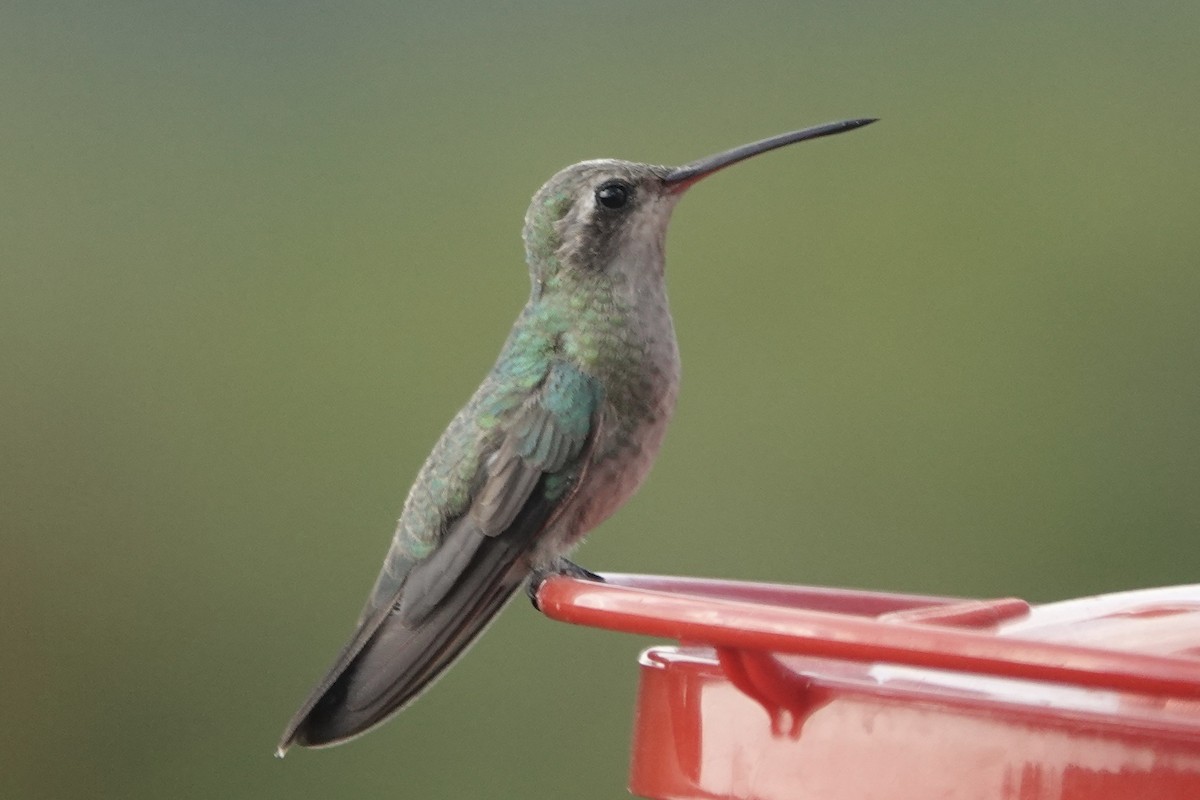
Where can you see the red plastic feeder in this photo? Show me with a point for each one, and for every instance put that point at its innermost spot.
(782, 692)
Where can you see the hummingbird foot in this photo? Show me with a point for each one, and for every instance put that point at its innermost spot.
(559, 566)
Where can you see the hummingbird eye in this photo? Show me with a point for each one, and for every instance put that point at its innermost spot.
(614, 194)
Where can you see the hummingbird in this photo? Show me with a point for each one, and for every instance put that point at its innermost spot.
(560, 434)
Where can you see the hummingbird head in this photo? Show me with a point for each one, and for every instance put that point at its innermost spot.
(592, 215)
(609, 217)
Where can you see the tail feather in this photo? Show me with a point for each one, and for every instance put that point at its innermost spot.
(422, 616)
(388, 663)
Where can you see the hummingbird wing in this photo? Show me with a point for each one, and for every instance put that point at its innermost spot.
(437, 592)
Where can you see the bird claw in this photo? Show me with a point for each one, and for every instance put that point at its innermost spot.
(559, 566)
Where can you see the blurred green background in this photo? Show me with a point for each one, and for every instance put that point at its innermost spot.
(254, 255)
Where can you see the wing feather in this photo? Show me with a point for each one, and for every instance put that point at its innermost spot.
(443, 601)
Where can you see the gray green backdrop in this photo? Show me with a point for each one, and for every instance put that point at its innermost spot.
(254, 255)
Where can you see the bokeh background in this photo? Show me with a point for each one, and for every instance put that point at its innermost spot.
(254, 255)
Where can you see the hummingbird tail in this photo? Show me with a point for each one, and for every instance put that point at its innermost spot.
(391, 661)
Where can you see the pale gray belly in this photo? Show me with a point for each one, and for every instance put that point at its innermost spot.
(622, 462)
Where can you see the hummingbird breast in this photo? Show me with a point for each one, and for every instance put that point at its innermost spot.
(629, 343)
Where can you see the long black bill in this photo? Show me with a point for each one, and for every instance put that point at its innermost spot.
(682, 177)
